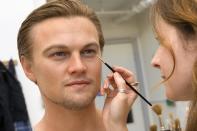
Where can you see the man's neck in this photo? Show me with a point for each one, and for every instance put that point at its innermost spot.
(61, 119)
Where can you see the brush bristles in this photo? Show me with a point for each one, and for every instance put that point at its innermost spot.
(100, 58)
(153, 127)
(157, 109)
(177, 123)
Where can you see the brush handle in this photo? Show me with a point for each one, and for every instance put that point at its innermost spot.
(130, 86)
(109, 67)
(138, 94)
(161, 123)
(178, 129)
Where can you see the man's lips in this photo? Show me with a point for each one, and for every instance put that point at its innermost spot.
(78, 82)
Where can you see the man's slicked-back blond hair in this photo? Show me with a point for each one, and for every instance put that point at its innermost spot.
(52, 9)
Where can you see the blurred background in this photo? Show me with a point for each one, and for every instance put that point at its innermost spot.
(129, 42)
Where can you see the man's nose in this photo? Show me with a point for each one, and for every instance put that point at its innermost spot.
(76, 64)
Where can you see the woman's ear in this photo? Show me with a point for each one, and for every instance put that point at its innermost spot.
(27, 67)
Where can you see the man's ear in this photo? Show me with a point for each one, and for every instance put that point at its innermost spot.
(27, 67)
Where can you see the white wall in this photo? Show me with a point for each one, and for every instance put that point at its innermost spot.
(113, 29)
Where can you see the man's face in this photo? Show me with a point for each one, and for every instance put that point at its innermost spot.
(64, 64)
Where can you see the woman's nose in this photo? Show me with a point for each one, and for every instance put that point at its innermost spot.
(155, 62)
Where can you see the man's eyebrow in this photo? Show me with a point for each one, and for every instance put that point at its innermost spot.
(59, 46)
(92, 44)
(62, 46)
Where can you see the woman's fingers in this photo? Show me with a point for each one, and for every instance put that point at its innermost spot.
(122, 89)
(111, 80)
(107, 90)
(119, 98)
(102, 89)
(120, 82)
(125, 73)
(127, 76)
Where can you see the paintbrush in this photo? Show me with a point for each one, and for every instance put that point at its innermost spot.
(153, 127)
(177, 125)
(171, 122)
(158, 111)
(131, 86)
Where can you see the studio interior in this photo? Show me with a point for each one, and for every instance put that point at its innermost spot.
(129, 42)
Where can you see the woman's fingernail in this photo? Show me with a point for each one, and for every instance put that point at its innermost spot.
(110, 75)
(105, 85)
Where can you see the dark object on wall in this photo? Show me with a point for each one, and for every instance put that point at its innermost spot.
(12, 103)
(170, 103)
(130, 117)
(11, 67)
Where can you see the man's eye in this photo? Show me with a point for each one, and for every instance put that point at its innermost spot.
(59, 55)
(89, 53)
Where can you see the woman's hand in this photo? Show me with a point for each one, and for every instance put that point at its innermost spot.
(119, 99)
